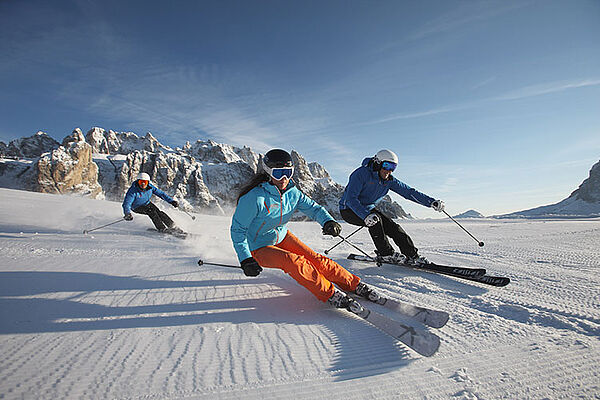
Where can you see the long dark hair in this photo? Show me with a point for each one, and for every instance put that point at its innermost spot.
(256, 180)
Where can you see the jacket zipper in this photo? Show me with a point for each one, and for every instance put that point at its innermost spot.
(258, 231)
(280, 213)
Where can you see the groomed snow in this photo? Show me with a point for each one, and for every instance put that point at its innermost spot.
(126, 313)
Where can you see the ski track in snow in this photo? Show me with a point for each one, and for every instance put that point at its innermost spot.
(127, 313)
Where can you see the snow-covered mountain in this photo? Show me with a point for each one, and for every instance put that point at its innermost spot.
(470, 214)
(583, 202)
(205, 176)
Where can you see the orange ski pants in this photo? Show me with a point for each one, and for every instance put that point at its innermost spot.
(312, 270)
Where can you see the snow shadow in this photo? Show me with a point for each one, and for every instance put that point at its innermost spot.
(362, 350)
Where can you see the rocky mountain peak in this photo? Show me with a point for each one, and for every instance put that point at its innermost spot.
(32, 146)
(203, 175)
(589, 190)
(583, 202)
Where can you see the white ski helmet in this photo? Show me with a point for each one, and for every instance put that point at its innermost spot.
(386, 155)
(142, 176)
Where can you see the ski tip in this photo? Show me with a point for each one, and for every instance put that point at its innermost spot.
(444, 321)
(430, 348)
(85, 232)
(505, 282)
(200, 262)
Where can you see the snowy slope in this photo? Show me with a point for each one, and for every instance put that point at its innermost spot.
(126, 313)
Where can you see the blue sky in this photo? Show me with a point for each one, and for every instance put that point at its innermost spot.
(490, 105)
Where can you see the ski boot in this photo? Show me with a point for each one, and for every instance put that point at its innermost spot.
(367, 292)
(340, 299)
(417, 261)
(394, 258)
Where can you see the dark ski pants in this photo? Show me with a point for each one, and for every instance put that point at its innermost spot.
(160, 219)
(380, 232)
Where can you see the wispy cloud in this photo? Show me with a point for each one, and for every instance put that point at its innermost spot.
(463, 15)
(546, 88)
(517, 94)
(419, 114)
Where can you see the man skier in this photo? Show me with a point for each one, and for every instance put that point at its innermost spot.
(138, 198)
(367, 185)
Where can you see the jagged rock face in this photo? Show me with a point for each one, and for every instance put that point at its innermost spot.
(589, 190)
(30, 147)
(110, 142)
(317, 171)
(68, 169)
(3, 149)
(204, 175)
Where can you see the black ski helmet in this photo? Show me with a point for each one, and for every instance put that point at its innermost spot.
(278, 158)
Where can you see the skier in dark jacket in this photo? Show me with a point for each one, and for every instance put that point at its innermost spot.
(138, 198)
(367, 185)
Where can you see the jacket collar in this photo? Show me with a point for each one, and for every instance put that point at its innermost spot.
(368, 164)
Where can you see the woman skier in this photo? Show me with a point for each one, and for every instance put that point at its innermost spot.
(367, 185)
(261, 238)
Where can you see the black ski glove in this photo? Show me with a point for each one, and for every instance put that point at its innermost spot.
(175, 204)
(251, 267)
(332, 228)
(128, 217)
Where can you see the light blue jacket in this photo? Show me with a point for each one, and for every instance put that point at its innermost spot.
(366, 188)
(136, 197)
(262, 214)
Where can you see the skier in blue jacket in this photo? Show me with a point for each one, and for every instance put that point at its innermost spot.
(367, 185)
(261, 238)
(137, 199)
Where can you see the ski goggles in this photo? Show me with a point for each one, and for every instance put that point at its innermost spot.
(388, 165)
(280, 173)
(143, 182)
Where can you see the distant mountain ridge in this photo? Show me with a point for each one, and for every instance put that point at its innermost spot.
(470, 214)
(583, 202)
(205, 176)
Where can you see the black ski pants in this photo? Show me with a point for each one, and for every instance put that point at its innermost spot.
(160, 219)
(380, 232)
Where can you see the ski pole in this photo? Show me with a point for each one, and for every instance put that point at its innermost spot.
(86, 231)
(192, 216)
(469, 233)
(200, 263)
(359, 249)
(341, 241)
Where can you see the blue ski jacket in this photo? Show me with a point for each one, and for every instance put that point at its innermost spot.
(366, 188)
(262, 214)
(136, 197)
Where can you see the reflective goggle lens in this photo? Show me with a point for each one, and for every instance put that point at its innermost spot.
(142, 182)
(388, 165)
(279, 173)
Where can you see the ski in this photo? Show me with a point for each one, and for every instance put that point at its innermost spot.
(420, 340)
(466, 271)
(471, 274)
(424, 315)
(178, 233)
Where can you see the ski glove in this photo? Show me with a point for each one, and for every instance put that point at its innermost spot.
(332, 228)
(251, 267)
(438, 205)
(128, 217)
(372, 220)
(175, 204)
